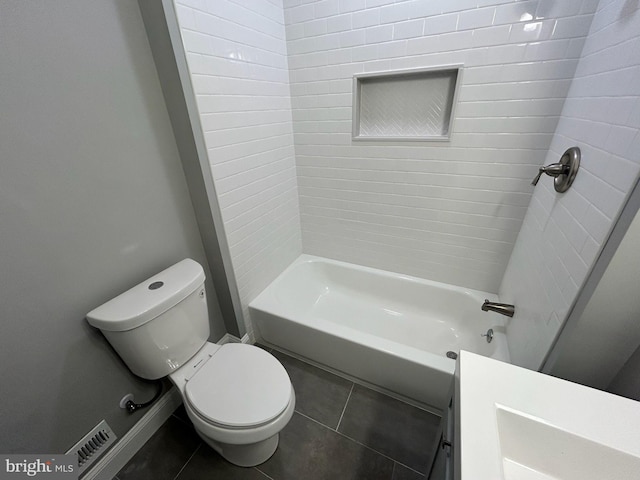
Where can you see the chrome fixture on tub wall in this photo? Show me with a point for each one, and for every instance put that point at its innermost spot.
(488, 336)
(501, 308)
(564, 172)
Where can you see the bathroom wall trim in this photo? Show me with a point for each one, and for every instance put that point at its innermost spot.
(116, 458)
(163, 32)
(228, 338)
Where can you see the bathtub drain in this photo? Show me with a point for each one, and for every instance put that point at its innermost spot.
(451, 354)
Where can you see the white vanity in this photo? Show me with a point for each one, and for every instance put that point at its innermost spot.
(510, 423)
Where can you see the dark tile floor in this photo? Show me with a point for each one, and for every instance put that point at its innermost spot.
(339, 431)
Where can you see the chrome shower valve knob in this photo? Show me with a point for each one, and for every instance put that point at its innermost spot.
(564, 172)
(553, 170)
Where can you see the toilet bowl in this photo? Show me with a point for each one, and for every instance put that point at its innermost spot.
(241, 421)
(238, 397)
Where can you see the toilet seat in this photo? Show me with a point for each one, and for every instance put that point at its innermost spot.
(239, 387)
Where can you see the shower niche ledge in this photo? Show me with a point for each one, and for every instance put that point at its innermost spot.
(405, 105)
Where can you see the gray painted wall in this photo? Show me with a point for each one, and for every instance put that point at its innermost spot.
(627, 381)
(608, 330)
(93, 200)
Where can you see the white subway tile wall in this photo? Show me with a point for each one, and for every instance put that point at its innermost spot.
(445, 211)
(563, 233)
(237, 57)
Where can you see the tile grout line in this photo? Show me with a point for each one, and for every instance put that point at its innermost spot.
(380, 453)
(185, 463)
(360, 443)
(395, 462)
(182, 420)
(345, 407)
(267, 476)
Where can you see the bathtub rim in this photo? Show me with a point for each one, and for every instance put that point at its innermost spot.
(265, 302)
(269, 311)
(308, 258)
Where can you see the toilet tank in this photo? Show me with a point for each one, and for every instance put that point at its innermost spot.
(159, 324)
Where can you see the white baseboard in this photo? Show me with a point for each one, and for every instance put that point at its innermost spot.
(118, 456)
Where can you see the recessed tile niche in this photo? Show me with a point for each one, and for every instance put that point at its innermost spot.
(408, 105)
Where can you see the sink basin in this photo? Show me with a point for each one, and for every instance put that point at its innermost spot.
(532, 449)
(516, 424)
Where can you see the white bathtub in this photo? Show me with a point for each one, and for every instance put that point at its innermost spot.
(386, 329)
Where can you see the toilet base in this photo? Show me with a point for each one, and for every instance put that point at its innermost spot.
(248, 455)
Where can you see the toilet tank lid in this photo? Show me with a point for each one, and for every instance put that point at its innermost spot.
(148, 299)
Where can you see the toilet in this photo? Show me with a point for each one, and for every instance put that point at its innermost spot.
(237, 396)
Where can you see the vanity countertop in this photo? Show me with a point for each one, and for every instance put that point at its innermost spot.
(517, 424)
